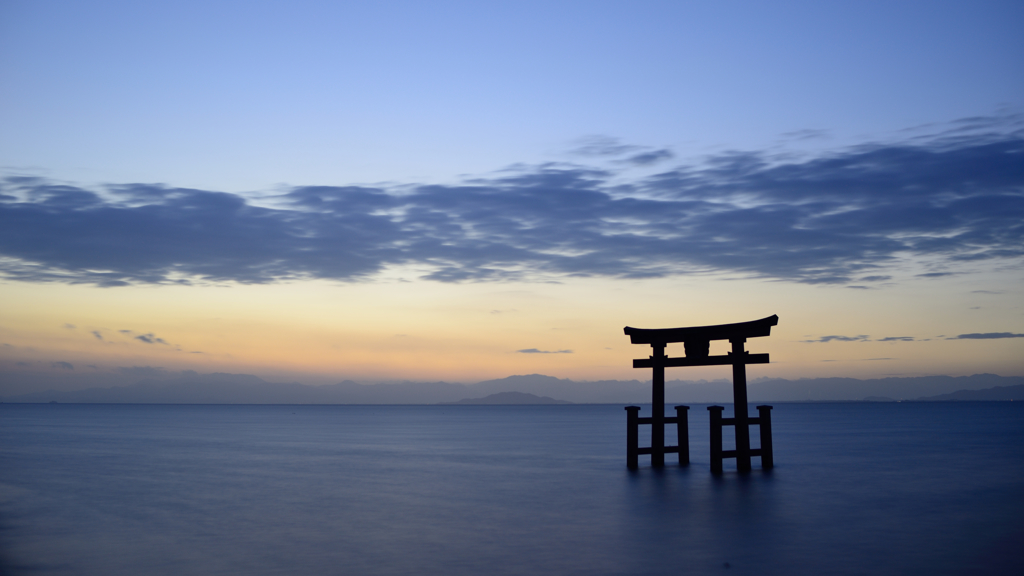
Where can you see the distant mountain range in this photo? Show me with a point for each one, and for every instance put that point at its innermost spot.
(1015, 392)
(247, 389)
(510, 398)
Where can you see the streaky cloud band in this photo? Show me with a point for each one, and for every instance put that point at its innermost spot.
(833, 219)
(987, 336)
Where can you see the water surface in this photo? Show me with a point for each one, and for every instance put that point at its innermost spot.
(897, 488)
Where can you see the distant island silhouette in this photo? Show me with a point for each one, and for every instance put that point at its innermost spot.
(192, 388)
(510, 398)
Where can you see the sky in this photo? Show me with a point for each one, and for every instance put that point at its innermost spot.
(459, 191)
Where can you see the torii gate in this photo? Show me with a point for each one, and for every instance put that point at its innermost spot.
(697, 341)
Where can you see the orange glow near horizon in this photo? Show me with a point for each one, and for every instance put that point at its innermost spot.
(321, 332)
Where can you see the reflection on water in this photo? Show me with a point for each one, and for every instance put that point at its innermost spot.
(857, 488)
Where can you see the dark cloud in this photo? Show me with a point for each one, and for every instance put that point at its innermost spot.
(835, 219)
(839, 339)
(62, 365)
(986, 336)
(649, 158)
(97, 334)
(70, 326)
(896, 339)
(536, 351)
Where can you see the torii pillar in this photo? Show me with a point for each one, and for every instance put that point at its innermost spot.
(697, 342)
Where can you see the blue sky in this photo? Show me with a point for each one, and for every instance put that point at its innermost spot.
(216, 175)
(242, 96)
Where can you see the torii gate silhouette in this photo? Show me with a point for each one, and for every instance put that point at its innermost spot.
(697, 341)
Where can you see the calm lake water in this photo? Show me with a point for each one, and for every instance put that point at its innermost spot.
(858, 488)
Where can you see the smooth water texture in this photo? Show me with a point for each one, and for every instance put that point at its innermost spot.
(898, 488)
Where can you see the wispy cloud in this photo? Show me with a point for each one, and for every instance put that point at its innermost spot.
(536, 351)
(149, 338)
(601, 145)
(839, 339)
(808, 134)
(838, 218)
(896, 339)
(62, 365)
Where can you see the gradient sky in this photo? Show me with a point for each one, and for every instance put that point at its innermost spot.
(314, 191)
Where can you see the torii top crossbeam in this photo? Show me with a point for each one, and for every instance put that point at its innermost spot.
(752, 329)
(697, 340)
